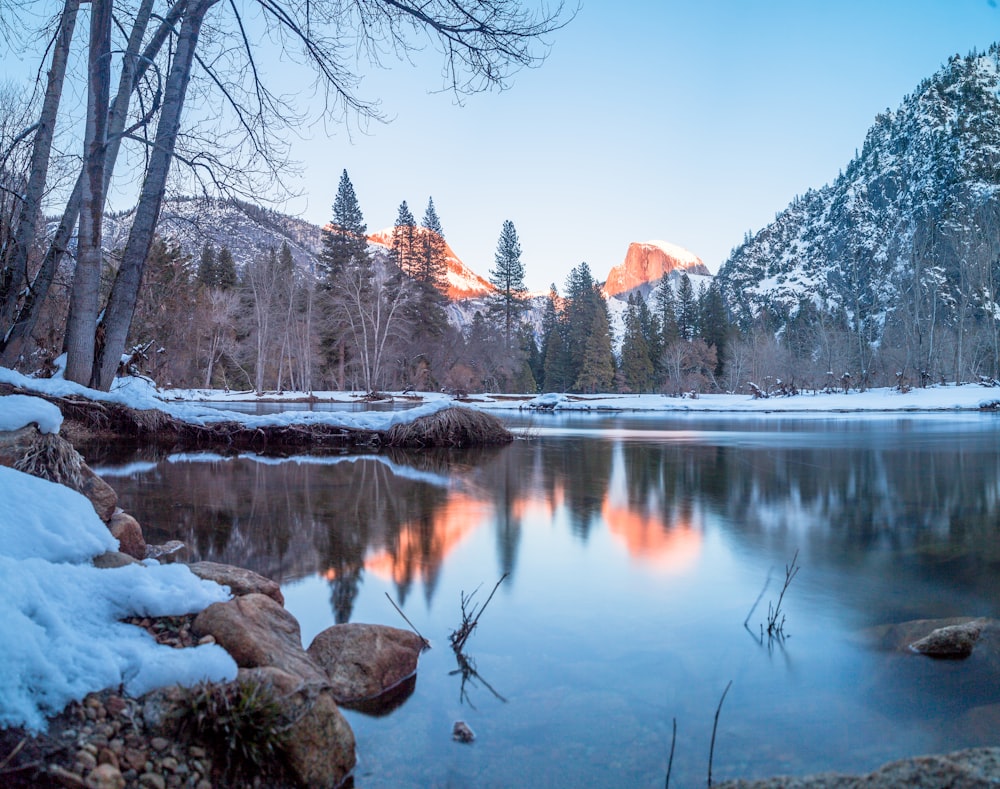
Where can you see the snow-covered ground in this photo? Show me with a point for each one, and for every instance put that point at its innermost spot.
(60, 616)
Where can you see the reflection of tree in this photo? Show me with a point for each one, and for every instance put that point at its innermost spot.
(581, 470)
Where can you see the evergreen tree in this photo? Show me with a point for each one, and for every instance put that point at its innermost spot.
(345, 239)
(585, 309)
(509, 301)
(666, 310)
(597, 370)
(404, 240)
(687, 309)
(714, 324)
(636, 367)
(225, 270)
(432, 267)
(208, 272)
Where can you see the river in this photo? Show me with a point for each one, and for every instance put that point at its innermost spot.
(635, 547)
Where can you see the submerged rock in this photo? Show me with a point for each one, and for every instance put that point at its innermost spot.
(365, 661)
(953, 641)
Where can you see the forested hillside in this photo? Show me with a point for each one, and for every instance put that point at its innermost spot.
(894, 267)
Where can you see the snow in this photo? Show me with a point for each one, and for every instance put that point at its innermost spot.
(21, 410)
(967, 397)
(676, 252)
(60, 616)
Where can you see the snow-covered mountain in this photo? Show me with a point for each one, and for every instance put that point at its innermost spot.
(463, 282)
(910, 228)
(646, 263)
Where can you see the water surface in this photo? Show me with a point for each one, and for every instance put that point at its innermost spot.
(634, 547)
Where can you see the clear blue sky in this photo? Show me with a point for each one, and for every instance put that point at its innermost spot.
(690, 122)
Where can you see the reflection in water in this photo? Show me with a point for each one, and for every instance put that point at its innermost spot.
(634, 549)
(400, 517)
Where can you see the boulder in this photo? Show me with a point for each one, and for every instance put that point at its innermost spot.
(258, 632)
(898, 637)
(320, 746)
(128, 532)
(968, 769)
(365, 661)
(953, 641)
(100, 493)
(170, 551)
(240, 582)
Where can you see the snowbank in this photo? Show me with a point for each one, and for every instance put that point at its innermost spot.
(59, 617)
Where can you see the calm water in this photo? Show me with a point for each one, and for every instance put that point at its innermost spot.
(635, 548)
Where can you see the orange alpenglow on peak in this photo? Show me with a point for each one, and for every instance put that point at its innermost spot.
(648, 262)
(463, 282)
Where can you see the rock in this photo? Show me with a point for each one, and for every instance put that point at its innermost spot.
(954, 641)
(239, 581)
(364, 661)
(112, 559)
(898, 637)
(968, 769)
(320, 746)
(168, 552)
(66, 778)
(105, 776)
(647, 263)
(128, 532)
(258, 632)
(462, 733)
(152, 781)
(100, 493)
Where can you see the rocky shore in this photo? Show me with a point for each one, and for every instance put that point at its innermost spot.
(277, 724)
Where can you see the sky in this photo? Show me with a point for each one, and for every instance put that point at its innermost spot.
(690, 122)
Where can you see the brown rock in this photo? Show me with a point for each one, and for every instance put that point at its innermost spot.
(320, 748)
(100, 493)
(112, 559)
(364, 661)
(898, 637)
(105, 776)
(258, 632)
(128, 532)
(66, 778)
(239, 580)
(954, 641)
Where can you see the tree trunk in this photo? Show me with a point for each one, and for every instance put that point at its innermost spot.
(27, 315)
(14, 280)
(80, 337)
(124, 292)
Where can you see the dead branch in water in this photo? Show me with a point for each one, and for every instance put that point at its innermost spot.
(670, 761)
(711, 749)
(427, 644)
(467, 669)
(470, 618)
(775, 628)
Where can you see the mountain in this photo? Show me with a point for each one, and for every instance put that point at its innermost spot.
(463, 282)
(901, 251)
(648, 262)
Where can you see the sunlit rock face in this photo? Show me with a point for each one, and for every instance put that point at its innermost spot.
(649, 262)
(463, 282)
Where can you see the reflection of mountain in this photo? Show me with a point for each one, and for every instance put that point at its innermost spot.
(670, 547)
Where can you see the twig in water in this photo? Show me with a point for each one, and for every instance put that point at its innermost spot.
(427, 644)
(775, 628)
(670, 761)
(470, 618)
(711, 749)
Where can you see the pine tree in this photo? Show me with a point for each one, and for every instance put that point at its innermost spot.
(636, 367)
(666, 310)
(687, 309)
(404, 240)
(509, 301)
(345, 241)
(225, 270)
(597, 371)
(432, 268)
(714, 324)
(208, 271)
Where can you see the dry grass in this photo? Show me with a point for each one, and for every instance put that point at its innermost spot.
(450, 427)
(53, 458)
